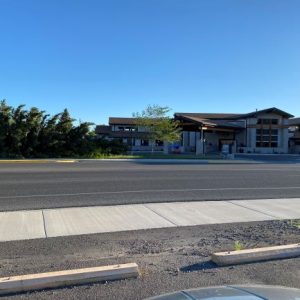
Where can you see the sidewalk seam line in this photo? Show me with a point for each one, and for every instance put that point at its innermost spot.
(44, 223)
(253, 209)
(145, 205)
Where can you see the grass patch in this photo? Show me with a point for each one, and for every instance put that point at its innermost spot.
(295, 223)
(238, 246)
(155, 156)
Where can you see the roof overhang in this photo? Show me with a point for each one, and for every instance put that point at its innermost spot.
(195, 123)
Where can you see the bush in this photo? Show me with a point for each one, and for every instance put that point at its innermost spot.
(105, 147)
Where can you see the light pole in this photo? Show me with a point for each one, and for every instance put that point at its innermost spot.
(202, 138)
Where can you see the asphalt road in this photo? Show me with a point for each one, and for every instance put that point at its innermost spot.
(84, 183)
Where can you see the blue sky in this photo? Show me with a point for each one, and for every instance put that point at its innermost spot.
(111, 58)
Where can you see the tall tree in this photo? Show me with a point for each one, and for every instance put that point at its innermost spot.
(34, 123)
(158, 124)
(5, 122)
(33, 133)
(17, 130)
(63, 128)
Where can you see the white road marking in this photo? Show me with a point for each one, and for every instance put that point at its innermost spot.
(154, 191)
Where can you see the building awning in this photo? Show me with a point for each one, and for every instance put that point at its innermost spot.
(194, 123)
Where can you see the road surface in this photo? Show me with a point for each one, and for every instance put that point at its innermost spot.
(85, 183)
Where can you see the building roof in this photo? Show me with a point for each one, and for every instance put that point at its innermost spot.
(294, 121)
(125, 134)
(268, 110)
(121, 121)
(229, 120)
(231, 116)
(211, 116)
(211, 122)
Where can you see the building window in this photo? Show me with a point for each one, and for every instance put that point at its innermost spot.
(130, 128)
(159, 143)
(267, 138)
(144, 142)
(127, 128)
(267, 121)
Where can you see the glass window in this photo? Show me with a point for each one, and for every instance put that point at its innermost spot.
(274, 131)
(267, 121)
(267, 137)
(145, 142)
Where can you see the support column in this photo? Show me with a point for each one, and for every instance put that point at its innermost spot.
(199, 147)
(166, 148)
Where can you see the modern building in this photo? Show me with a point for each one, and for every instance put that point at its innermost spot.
(125, 129)
(294, 140)
(263, 131)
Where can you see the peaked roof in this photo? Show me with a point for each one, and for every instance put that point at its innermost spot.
(222, 116)
(211, 116)
(269, 110)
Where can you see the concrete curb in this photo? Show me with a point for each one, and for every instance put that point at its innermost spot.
(24, 161)
(151, 160)
(67, 277)
(171, 160)
(30, 161)
(255, 255)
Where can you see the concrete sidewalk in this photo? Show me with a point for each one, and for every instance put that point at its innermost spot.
(20, 225)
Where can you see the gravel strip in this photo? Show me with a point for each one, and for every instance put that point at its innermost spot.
(170, 259)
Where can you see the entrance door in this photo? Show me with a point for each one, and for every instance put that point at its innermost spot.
(229, 142)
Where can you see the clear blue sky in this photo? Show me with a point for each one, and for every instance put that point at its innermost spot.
(111, 58)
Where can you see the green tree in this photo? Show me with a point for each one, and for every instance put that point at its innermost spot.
(33, 126)
(157, 124)
(62, 134)
(47, 139)
(5, 122)
(33, 133)
(81, 139)
(17, 131)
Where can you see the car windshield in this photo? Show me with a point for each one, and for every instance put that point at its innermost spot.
(150, 149)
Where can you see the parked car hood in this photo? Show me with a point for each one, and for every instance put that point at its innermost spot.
(234, 292)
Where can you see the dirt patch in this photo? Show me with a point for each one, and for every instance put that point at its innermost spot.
(170, 259)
